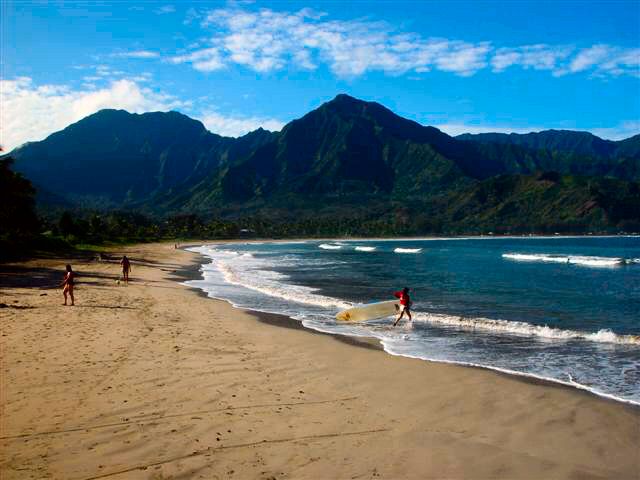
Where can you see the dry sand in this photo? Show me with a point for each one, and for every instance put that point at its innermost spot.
(155, 381)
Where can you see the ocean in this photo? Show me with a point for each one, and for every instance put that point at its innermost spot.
(563, 309)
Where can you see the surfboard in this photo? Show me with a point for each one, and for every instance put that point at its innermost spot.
(369, 311)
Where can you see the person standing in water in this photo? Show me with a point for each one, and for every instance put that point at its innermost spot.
(126, 268)
(67, 284)
(405, 304)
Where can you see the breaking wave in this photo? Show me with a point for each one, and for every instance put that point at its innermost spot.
(326, 246)
(365, 249)
(523, 328)
(407, 250)
(588, 261)
(266, 282)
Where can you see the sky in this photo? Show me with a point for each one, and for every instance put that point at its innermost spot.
(462, 66)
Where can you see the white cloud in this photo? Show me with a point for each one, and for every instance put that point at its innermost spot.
(141, 78)
(229, 126)
(266, 40)
(589, 57)
(536, 57)
(165, 9)
(137, 54)
(205, 60)
(604, 61)
(505, 58)
(30, 112)
(619, 132)
(464, 59)
(191, 15)
(620, 62)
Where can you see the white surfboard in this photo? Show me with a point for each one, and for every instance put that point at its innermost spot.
(369, 311)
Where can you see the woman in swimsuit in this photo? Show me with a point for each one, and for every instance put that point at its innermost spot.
(405, 304)
(67, 283)
(126, 268)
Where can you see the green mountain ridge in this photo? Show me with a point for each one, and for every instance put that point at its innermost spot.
(115, 158)
(346, 159)
(580, 143)
(566, 151)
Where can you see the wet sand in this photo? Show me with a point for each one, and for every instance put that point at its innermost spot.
(154, 381)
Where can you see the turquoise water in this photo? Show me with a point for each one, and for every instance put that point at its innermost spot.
(563, 309)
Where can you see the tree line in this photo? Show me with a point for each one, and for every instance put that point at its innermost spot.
(22, 229)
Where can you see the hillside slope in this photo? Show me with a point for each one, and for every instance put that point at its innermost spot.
(346, 159)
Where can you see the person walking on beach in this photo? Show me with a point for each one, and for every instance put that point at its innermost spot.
(67, 284)
(126, 268)
(405, 304)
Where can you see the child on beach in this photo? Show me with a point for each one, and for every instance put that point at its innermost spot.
(67, 283)
(126, 268)
(405, 304)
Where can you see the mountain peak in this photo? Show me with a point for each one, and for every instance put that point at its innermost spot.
(346, 103)
(344, 98)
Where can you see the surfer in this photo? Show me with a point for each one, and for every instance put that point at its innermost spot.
(405, 304)
(67, 284)
(126, 268)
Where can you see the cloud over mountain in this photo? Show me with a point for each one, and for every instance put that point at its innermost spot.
(30, 112)
(269, 40)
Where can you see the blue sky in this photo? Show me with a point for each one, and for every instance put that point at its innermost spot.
(461, 66)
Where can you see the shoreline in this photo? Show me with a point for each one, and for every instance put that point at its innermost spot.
(280, 320)
(190, 243)
(151, 381)
(284, 321)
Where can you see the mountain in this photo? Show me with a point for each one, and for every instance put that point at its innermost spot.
(581, 143)
(115, 158)
(629, 147)
(547, 202)
(350, 147)
(347, 158)
(566, 151)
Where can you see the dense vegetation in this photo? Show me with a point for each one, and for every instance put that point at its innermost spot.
(18, 219)
(507, 204)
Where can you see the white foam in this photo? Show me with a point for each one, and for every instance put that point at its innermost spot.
(583, 260)
(597, 261)
(407, 250)
(388, 347)
(223, 252)
(365, 249)
(246, 271)
(523, 328)
(326, 246)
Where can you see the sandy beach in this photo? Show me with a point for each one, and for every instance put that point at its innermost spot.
(155, 381)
